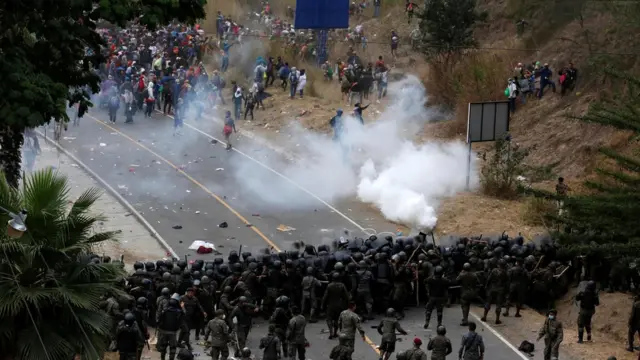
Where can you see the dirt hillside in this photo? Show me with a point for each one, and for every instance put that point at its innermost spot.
(591, 34)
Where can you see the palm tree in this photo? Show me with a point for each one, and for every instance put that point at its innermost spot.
(49, 294)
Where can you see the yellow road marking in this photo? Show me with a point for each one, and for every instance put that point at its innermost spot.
(196, 182)
(212, 194)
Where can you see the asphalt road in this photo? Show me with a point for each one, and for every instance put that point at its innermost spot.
(190, 182)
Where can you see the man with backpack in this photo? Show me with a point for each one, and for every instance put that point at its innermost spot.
(293, 82)
(283, 74)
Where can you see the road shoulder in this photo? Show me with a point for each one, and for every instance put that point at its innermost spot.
(134, 242)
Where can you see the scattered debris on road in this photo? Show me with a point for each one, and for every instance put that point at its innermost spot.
(103, 144)
(223, 225)
(177, 227)
(219, 169)
(285, 228)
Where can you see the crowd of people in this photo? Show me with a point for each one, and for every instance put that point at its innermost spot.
(349, 282)
(218, 301)
(533, 79)
(164, 71)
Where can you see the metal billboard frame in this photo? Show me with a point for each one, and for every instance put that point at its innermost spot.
(497, 124)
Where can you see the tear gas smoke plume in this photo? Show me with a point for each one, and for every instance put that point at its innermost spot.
(378, 163)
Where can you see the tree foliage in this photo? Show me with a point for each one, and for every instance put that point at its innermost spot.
(42, 277)
(45, 61)
(447, 26)
(607, 217)
(503, 165)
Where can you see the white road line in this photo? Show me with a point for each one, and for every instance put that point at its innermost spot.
(363, 229)
(117, 195)
(499, 336)
(300, 187)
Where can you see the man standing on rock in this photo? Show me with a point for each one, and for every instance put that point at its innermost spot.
(553, 336)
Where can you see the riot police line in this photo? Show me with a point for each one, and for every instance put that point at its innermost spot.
(219, 299)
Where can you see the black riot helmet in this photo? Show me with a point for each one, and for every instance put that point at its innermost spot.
(237, 268)
(205, 280)
(391, 312)
(174, 303)
(338, 266)
(138, 265)
(441, 330)
(351, 267)
(363, 265)
(309, 270)
(335, 276)
(246, 352)
(218, 261)
(196, 266)
(166, 276)
(246, 255)
(282, 301)
(466, 267)
(223, 269)
(182, 264)
(233, 257)
(129, 318)
(165, 292)
(142, 301)
(149, 266)
(438, 271)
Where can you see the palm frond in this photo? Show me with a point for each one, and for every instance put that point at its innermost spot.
(43, 286)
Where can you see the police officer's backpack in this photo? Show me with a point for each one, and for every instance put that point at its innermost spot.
(526, 347)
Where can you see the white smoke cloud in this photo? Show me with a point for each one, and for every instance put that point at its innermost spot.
(378, 163)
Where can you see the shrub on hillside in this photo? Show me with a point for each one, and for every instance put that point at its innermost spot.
(502, 167)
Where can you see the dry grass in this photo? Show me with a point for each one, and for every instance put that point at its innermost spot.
(535, 209)
(471, 77)
(474, 214)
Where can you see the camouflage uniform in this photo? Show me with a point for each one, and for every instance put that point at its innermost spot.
(296, 337)
(349, 323)
(219, 331)
(469, 282)
(553, 336)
